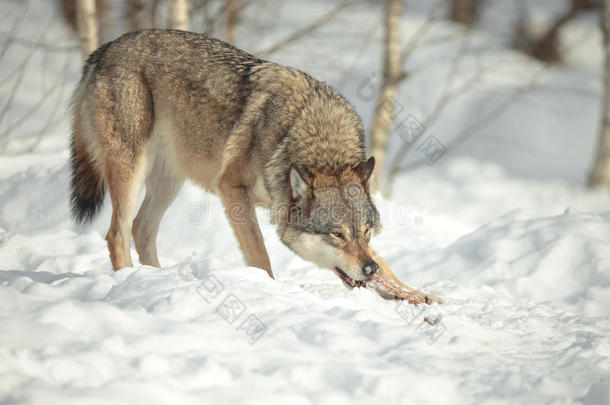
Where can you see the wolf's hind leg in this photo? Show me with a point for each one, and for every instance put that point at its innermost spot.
(124, 184)
(121, 114)
(162, 187)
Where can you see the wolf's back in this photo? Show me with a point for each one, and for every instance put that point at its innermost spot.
(122, 74)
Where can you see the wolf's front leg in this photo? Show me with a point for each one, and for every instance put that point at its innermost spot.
(387, 274)
(242, 217)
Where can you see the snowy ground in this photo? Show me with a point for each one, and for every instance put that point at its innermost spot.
(502, 228)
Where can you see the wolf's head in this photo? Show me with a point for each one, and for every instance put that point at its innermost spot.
(332, 219)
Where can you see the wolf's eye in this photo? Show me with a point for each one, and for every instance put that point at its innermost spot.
(367, 233)
(338, 235)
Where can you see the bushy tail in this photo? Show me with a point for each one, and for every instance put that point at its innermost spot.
(87, 184)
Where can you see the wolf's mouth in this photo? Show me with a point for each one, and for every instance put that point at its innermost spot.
(350, 281)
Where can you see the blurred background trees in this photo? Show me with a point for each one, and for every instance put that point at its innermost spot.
(545, 46)
(398, 47)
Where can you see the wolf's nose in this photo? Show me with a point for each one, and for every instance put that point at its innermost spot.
(370, 268)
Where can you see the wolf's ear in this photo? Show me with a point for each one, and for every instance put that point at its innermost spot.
(365, 169)
(300, 181)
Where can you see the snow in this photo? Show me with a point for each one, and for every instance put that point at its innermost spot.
(502, 228)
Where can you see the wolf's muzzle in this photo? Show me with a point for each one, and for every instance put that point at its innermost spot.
(370, 268)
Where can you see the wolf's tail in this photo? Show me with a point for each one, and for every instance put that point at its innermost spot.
(87, 183)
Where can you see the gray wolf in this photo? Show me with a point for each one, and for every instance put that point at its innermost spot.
(156, 107)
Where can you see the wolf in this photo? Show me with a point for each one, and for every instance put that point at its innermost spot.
(157, 107)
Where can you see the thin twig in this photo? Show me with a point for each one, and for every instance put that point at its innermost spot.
(365, 43)
(14, 28)
(472, 129)
(447, 96)
(32, 110)
(421, 31)
(478, 125)
(300, 33)
(17, 82)
(38, 44)
(56, 108)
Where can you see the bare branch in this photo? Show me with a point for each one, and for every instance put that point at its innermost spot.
(14, 28)
(421, 31)
(298, 34)
(38, 44)
(447, 95)
(472, 129)
(365, 43)
(17, 83)
(54, 112)
(32, 109)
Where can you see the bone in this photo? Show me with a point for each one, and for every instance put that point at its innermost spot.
(379, 283)
(385, 280)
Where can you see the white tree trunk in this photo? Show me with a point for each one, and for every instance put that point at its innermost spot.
(87, 26)
(179, 15)
(600, 175)
(392, 74)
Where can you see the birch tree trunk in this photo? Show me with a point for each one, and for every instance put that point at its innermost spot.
(386, 105)
(179, 15)
(87, 26)
(600, 175)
